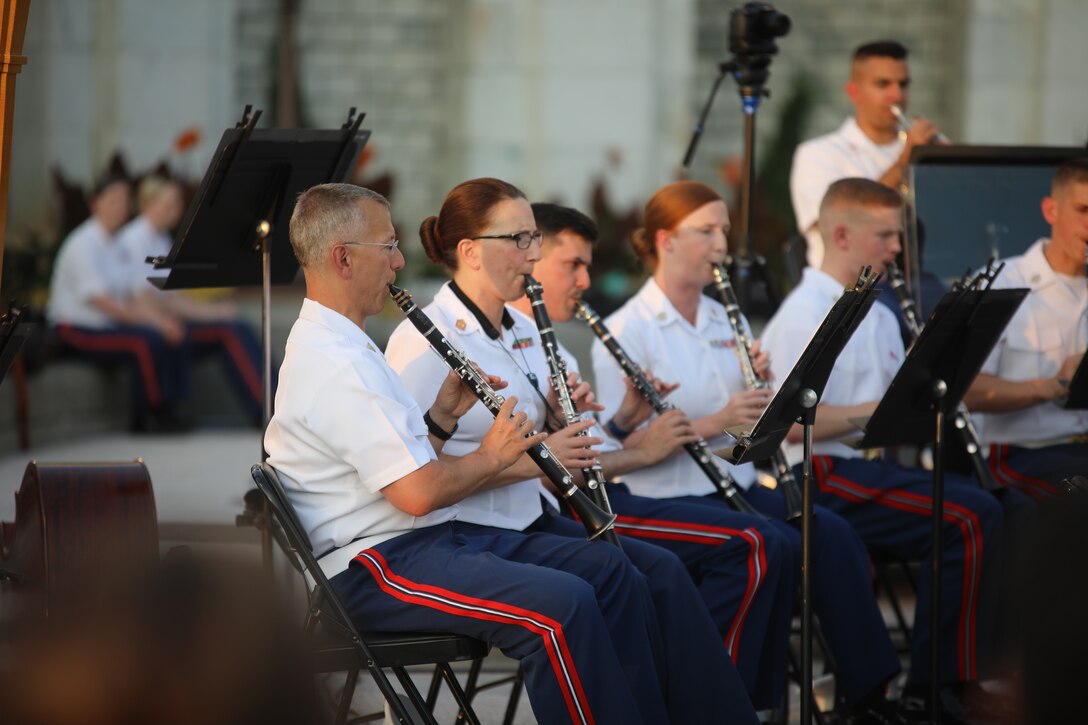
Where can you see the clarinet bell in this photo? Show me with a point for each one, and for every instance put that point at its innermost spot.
(593, 518)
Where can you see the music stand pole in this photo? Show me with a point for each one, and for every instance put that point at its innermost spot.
(808, 400)
(940, 391)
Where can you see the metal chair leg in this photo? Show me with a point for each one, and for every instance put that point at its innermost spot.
(466, 711)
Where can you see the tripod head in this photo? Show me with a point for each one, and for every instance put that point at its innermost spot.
(752, 32)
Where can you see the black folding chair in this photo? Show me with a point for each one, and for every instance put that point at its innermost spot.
(340, 646)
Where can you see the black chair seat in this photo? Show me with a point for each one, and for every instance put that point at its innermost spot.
(332, 653)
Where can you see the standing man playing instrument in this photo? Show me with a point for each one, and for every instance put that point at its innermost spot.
(889, 505)
(486, 239)
(741, 564)
(382, 502)
(1035, 442)
(672, 328)
(869, 144)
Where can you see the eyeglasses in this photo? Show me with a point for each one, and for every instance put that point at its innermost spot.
(387, 246)
(522, 239)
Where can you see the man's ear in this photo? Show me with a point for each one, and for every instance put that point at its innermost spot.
(1049, 205)
(340, 261)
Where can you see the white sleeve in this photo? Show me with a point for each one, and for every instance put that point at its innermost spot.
(815, 167)
(611, 385)
(785, 338)
(380, 437)
(81, 273)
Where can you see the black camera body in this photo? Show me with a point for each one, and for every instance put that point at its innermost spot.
(753, 29)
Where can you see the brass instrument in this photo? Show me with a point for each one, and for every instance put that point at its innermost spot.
(791, 492)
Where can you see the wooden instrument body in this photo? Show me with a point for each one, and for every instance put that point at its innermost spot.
(72, 522)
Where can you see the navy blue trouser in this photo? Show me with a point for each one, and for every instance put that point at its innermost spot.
(891, 508)
(842, 594)
(743, 570)
(239, 350)
(699, 681)
(159, 372)
(1038, 472)
(577, 614)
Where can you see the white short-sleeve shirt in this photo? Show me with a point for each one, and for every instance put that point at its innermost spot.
(819, 162)
(864, 369)
(701, 358)
(344, 428)
(90, 264)
(1050, 325)
(512, 357)
(140, 240)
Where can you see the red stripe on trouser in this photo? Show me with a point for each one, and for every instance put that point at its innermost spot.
(237, 353)
(999, 466)
(711, 536)
(444, 600)
(111, 342)
(923, 505)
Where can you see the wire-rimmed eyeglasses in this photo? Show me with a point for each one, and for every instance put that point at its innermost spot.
(523, 240)
(387, 246)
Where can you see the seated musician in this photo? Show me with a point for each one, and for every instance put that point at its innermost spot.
(486, 239)
(672, 328)
(1035, 443)
(395, 516)
(740, 563)
(96, 317)
(889, 505)
(212, 328)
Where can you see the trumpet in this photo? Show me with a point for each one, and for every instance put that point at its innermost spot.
(904, 126)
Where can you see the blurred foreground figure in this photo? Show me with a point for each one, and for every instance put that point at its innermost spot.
(186, 641)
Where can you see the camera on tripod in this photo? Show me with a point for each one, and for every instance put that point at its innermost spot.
(752, 32)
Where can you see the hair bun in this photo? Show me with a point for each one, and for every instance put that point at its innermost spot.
(428, 235)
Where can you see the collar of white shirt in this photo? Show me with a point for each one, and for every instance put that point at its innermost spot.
(319, 314)
(1036, 269)
(852, 132)
(823, 283)
(666, 314)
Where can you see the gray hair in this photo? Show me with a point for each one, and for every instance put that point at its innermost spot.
(324, 215)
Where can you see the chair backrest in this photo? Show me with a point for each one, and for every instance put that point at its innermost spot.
(269, 484)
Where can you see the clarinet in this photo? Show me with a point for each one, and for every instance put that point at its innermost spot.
(961, 417)
(557, 372)
(791, 492)
(594, 519)
(698, 450)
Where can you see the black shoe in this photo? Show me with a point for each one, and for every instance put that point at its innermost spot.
(879, 711)
(915, 710)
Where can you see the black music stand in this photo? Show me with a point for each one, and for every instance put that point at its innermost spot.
(932, 381)
(241, 215)
(241, 212)
(1078, 387)
(795, 402)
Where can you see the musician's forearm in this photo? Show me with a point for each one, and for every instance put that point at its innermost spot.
(833, 421)
(991, 394)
